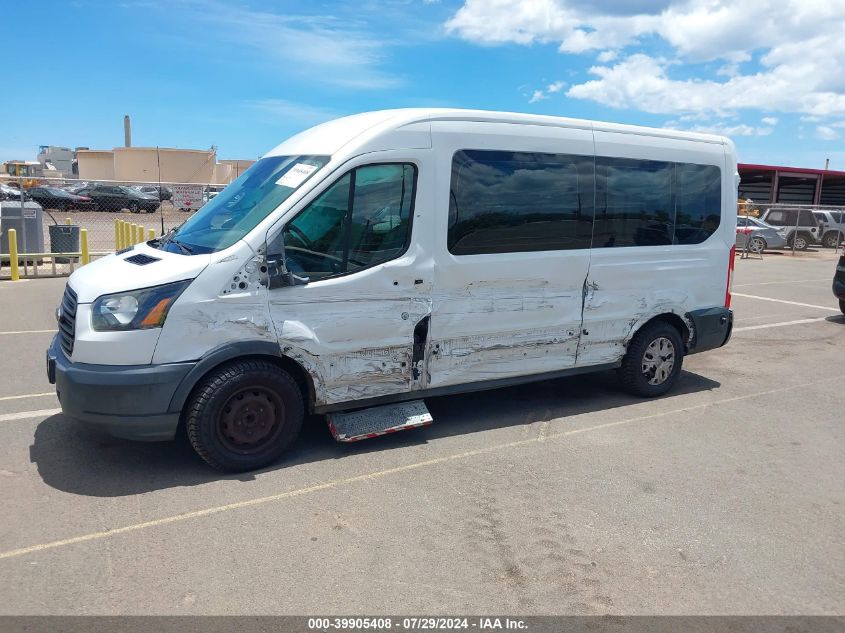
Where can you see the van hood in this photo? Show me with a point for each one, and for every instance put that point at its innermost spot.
(133, 269)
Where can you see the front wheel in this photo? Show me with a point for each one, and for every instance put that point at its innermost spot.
(244, 415)
(757, 244)
(842, 305)
(133, 207)
(653, 361)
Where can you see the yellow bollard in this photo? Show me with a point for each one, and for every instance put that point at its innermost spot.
(117, 235)
(83, 239)
(126, 242)
(140, 234)
(151, 235)
(13, 254)
(68, 221)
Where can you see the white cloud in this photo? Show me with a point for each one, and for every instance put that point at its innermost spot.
(642, 82)
(769, 120)
(826, 133)
(538, 95)
(552, 88)
(797, 46)
(282, 110)
(324, 48)
(723, 129)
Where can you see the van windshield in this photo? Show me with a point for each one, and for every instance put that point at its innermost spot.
(237, 209)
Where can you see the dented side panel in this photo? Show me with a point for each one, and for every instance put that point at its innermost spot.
(355, 334)
(509, 314)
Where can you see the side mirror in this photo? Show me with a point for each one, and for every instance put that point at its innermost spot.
(279, 276)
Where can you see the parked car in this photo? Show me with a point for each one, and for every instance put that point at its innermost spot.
(839, 282)
(758, 235)
(9, 193)
(117, 197)
(833, 231)
(55, 198)
(153, 190)
(801, 227)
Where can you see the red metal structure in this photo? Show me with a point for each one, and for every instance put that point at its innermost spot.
(795, 185)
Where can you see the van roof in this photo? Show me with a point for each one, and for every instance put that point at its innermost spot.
(336, 133)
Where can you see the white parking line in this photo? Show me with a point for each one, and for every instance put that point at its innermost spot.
(29, 331)
(792, 303)
(23, 415)
(781, 324)
(28, 395)
(794, 281)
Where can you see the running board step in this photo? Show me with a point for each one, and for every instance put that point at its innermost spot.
(389, 418)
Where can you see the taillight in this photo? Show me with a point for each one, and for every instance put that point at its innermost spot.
(730, 276)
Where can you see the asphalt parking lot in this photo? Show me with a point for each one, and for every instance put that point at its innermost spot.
(568, 496)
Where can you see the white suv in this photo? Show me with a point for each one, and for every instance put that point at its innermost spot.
(801, 226)
(833, 227)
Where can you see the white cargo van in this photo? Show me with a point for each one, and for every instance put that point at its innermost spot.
(378, 259)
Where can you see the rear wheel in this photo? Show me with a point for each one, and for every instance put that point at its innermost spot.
(832, 239)
(133, 207)
(653, 361)
(244, 415)
(800, 241)
(842, 305)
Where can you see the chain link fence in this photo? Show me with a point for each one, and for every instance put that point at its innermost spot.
(49, 226)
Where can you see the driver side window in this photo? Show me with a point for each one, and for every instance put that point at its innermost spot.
(361, 220)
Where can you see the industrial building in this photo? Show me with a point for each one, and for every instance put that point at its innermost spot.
(791, 185)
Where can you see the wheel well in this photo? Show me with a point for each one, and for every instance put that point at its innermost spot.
(302, 377)
(675, 321)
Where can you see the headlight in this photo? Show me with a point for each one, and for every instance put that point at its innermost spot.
(135, 310)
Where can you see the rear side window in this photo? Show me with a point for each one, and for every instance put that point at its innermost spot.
(650, 203)
(510, 202)
(698, 202)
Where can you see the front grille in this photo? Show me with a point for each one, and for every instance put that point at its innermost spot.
(67, 320)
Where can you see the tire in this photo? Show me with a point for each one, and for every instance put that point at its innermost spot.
(634, 375)
(133, 207)
(757, 244)
(832, 239)
(237, 401)
(801, 241)
(842, 306)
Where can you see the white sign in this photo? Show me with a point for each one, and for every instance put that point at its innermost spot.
(187, 196)
(296, 175)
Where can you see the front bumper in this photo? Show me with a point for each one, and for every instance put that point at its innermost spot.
(129, 401)
(712, 328)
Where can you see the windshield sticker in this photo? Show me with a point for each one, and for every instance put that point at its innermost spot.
(296, 175)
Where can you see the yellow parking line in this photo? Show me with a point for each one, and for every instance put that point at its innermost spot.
(379, 474)
(29, 395)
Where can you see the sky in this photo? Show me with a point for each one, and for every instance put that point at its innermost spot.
(242, 75)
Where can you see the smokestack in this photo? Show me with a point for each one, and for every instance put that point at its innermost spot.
(826, 163)
(127, 131)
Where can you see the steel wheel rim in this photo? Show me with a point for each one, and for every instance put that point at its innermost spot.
(658, 361)
(756, 244)
(800, 243)
(251, 420)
